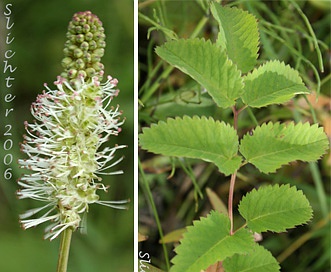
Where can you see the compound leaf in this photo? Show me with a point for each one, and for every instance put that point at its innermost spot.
(208, 65)
(275, 208)
(273, 145)
(272, 83)
(209, 241)
(196, 137)
(238, 34)
(257, 260)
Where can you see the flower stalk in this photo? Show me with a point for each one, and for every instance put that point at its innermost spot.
(64, 250)
(66, 145)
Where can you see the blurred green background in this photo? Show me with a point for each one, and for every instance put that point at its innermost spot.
(40, 31)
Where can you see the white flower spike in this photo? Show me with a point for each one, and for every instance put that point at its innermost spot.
(64, 144)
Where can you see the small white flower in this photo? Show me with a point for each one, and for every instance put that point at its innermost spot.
(65, 152)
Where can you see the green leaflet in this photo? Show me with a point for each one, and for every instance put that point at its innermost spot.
(209, 241)
(275, 208)
(208, 65)
(257, 260)
(195, 137)
(272, 83)
(238, 34)
(273, 145)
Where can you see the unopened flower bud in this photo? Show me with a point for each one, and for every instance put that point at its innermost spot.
(78, 53)
(66, 62)
(84, 47)
(80, 38)
(82, 74)
(72, 73)
(99, 52)
(86, 28)
(93, 45)
(101, 44)
(90, 72)
(88, 36)
(87, 57)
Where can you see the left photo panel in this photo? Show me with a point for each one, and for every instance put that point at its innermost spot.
(67, 136)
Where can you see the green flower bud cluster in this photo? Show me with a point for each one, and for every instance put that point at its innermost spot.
(84, 48)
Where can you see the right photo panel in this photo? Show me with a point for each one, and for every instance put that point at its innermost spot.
(234, 135)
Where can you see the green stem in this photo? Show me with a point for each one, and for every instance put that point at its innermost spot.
(188, 170)
(303, 239)
(233, 176)
(252, 116)
(322, 197)
(295, 52)
(230, 201)
(312, 33)
(157, 219)
(156, 84)
(64, 250)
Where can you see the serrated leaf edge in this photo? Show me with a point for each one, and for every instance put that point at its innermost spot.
(278, 67)
(228, 101)
(279, 124)
(186, 118)
(279, 186)
(250, 18)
